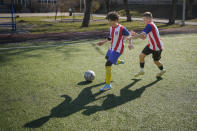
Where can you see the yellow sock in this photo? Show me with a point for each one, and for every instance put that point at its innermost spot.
(118, 61)
(108, 74)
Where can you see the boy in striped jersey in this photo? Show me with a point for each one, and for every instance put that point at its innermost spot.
(154, 46)
(116, 36)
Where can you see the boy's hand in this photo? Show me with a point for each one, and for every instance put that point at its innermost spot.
(133, 32)
(100, 43)
(130, 45)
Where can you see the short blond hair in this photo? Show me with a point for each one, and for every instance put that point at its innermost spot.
(148, 14)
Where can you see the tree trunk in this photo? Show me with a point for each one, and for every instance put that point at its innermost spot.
(173, 12)
(86, 18)
(189, 9)
(126, 7)
(107, 5)
(56, 10)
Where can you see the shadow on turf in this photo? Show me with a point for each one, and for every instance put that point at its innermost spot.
(68, 106)
(7, 55)
(87, 82)
(84, 83)
(126, 95)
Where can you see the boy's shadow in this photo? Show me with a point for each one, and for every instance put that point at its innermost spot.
(126, 95)
(68, 107)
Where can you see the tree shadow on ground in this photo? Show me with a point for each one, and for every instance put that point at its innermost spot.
(6, 54)
(97, 49)
(68, 106)
(9, 54)
(126, 95)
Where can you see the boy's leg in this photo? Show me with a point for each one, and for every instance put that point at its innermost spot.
(108, 75)
(146, 51)
(159, 64)
(108, 54)
(156, 58)
(142, 61)
(119, 61)
(108, 70)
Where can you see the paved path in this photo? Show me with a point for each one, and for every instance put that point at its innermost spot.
(157, 20)
(97, 15)
(33, 14)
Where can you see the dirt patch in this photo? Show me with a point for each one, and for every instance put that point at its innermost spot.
(12, 38)
(178, 31)
(17, 37)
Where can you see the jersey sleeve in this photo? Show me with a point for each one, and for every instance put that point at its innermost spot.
(147, 29)
(108, 36)
(125, 32)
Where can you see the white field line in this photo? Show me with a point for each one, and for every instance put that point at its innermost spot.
(66, 44)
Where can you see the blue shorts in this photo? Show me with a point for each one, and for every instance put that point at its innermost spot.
(112, 56)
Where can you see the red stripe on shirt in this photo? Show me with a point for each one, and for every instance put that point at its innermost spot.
(119, 38)
(152, 42)
(122, 49)
(156, 37)
(112, 36)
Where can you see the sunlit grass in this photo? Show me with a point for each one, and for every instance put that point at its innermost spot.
(43, 88)
(48, 24)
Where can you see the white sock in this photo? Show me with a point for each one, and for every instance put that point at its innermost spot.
(141, 69)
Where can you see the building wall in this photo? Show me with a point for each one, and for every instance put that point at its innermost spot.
(26, 2)
(151, 2)
(32, 5)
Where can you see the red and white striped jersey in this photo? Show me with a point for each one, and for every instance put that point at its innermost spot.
(154, 40)
(117, 39)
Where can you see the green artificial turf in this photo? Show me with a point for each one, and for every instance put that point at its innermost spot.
(42, 88)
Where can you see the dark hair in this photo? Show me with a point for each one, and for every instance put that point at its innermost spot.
(148, 14)
(113, 16)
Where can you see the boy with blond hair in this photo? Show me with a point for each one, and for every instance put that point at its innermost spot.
(154, 47)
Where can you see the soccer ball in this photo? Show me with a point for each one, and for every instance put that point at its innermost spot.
(89, 75)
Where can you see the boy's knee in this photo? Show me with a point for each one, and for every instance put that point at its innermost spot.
(108, 63)
(156, 62)
(141, 56)
(106, 57)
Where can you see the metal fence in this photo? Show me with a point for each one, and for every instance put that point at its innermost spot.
(10, 20)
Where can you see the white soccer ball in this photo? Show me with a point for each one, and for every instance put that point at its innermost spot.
(89, 75)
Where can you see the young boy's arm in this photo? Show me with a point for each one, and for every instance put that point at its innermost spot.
(142, 35)
(130, 46)
(108, 38)
(102, 42)
(136, 35)
(127, 35)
